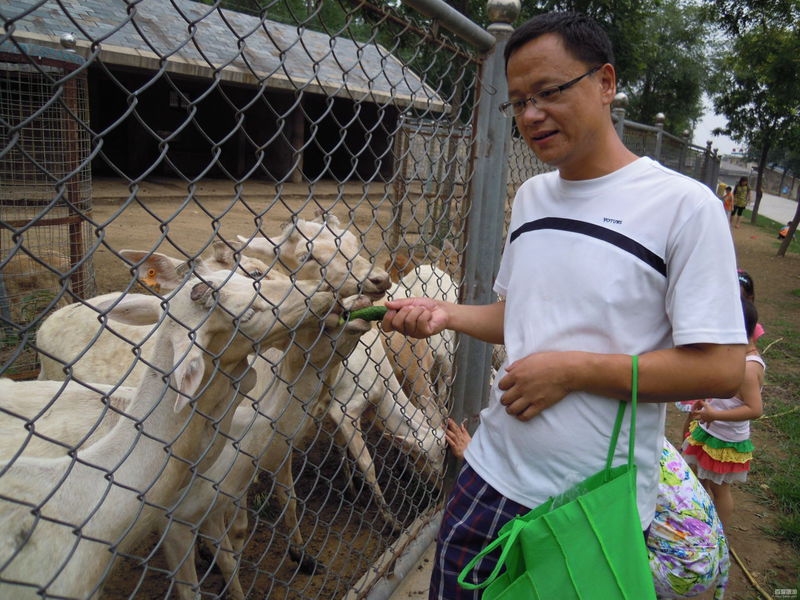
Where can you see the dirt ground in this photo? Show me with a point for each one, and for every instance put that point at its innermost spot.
(771, 561)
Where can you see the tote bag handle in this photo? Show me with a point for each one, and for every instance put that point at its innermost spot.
(621, 412)
(506, 539)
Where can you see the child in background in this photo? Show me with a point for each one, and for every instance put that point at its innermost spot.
(784, 231)
(719, 443)
(727, 201)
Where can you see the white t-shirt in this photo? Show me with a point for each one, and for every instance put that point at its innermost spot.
(635, 261)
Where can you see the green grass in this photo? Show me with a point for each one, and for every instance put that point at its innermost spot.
(782, 420)
(771, 227)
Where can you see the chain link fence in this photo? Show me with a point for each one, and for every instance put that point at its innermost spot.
(234, 178)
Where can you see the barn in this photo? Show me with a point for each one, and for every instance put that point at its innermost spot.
(185, 89)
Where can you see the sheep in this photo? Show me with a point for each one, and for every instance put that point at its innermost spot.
(424, 367)
(74, 336)
(105, 362)
(321, 248)
(102, 492)
(306, 246)
(291, 405)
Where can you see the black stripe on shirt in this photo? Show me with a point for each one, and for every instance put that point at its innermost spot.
(601, 233)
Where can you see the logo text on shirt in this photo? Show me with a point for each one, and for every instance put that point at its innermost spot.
(614, 221)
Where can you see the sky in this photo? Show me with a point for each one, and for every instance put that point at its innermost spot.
(706, 125)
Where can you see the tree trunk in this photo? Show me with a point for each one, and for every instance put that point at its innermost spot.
(762, 164)
(792, 228)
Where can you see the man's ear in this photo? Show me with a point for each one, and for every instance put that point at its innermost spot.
(608, 82)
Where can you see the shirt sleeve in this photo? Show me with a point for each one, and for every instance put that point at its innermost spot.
(703, 298)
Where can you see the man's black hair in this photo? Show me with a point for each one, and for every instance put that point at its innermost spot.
(582, 36)
(750, 316)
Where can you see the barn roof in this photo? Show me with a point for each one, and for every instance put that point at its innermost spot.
(198, 40)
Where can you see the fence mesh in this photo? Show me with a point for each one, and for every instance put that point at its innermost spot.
(45, 194)
(240, 175)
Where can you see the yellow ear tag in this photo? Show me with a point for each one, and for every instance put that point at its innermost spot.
(150, 279)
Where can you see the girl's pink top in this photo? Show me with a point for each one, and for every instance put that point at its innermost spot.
(758, 331)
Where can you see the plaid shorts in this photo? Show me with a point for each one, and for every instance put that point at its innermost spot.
(474, 514)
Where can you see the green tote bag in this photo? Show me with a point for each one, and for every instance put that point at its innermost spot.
(586, 544)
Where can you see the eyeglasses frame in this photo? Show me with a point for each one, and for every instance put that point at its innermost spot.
(557, 88)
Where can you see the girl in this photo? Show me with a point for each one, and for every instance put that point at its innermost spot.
(747, 288)
(719, 443)
(741, 198)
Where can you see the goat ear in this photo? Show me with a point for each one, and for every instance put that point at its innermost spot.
(188, 375)
(405, 264)
(399, 265)
(132, 309)
(260, 247)
(155, 270)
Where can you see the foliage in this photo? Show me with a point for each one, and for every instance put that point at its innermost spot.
(736, 17)
(672, 68)
(757, 82)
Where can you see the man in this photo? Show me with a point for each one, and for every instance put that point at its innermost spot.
(608, 256)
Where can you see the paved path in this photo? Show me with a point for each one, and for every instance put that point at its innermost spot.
(777, 208)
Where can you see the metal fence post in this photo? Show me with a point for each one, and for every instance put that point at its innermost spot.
(487, 198)
(659, 135)
(618, 113)
(715, 167)
(684, 148)
(704, 174)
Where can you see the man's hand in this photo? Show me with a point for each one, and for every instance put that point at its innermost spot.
(535, 383)
(417, 317)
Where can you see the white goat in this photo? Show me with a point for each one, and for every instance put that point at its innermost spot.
(288, 408)
(74, 335)
(424, 367)
(321, 248)
(63, 520)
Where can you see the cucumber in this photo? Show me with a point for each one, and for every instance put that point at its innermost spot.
(368, 313)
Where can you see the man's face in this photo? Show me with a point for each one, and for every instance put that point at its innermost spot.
(566, 133)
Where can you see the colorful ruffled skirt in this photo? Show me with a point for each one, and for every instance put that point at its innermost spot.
(715, 459)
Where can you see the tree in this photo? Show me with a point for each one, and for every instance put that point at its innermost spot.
(659, 47)
(672, 67)
(758, 86)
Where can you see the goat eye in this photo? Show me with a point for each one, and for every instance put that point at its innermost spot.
(308, 257)
(255, 274)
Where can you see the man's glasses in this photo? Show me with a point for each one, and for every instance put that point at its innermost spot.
(515, 108)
